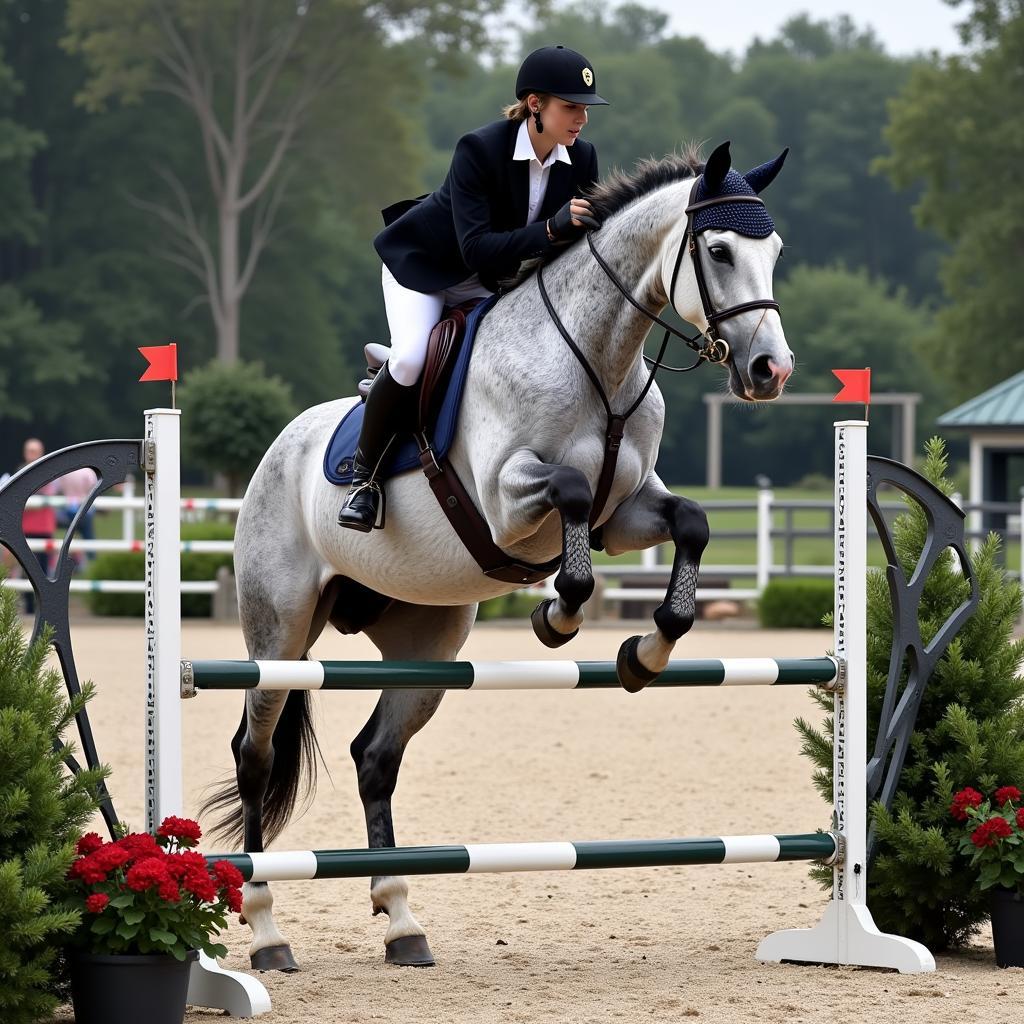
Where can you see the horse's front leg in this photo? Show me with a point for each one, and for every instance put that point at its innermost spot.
(530, 490)
(653, 516)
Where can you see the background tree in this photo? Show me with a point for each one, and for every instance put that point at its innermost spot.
(252, 80)
(956, 128)
(232, 413)
(31, 348)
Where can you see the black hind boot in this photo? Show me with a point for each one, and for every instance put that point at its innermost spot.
(388, 411)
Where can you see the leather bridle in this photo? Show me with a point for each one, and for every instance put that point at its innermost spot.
(714, 348)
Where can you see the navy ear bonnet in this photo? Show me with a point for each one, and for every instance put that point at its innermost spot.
(750, 219)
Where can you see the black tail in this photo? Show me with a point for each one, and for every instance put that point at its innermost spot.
(292, 773)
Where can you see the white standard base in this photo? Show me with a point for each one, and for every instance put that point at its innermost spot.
(846, 934)
(239, 994)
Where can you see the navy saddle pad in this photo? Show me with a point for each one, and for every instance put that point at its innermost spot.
(406, 455)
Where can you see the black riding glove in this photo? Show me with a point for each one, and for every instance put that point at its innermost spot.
(562, 229)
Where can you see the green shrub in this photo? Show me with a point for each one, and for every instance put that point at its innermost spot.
(969, 732)
(131, 565)
(517, 605)
(43, 809)
(232, 413)
(795, 603)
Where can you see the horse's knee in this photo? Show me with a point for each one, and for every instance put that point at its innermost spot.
(690, 529)
(253, 768)
(569, 492)
(376, 762)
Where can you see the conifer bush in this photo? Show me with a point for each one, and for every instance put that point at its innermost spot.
(969, 732)
(43, 810)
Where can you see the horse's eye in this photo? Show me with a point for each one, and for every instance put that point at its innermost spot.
(720, 253)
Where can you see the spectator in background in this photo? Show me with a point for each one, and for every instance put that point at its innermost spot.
(38, 523)
(76, 486)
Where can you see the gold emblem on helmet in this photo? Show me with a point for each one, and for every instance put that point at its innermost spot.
(588, 76)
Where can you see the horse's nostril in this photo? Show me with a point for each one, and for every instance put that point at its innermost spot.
(761, 370)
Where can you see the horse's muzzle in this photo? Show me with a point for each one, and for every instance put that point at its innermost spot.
(767, 376)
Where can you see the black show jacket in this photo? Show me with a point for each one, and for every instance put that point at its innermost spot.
(475, 221)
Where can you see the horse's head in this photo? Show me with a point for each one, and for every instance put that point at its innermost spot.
(719, 276)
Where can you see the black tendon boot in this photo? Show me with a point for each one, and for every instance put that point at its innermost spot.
(388, 411)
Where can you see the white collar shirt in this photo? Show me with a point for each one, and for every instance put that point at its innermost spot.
(539, 172)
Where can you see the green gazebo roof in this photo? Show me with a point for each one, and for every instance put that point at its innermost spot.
(1000, 406)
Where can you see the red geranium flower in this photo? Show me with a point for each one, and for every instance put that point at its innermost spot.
(989, 833)
(96, 903)
(88, 871)
(200, 884)
(88, 843)
(227, 874)
(180, 829)
(146, 874)
(180, 897)
(169, 891)
(965, 798)
(1006, 794)
(1020, 818)
(180, 864)
(93, 867)
(110, 856)
(139, 845)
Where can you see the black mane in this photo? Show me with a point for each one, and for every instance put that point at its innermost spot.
(621, 188)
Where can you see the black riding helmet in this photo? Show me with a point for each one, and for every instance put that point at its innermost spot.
(561, 72)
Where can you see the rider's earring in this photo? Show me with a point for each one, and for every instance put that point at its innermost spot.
(537, 122)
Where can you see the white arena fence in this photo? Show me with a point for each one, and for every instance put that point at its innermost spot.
(767, 536)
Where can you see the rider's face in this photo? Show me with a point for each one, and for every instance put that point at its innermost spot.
(563, 121)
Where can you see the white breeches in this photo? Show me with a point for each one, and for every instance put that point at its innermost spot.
(411, 315)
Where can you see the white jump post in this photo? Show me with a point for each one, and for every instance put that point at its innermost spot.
(847, 934)
(209, 984)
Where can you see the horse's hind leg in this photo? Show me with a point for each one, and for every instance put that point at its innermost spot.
(404, 632)
(655, 515)
(277, 628)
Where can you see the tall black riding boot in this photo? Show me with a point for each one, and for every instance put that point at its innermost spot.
(388, 411)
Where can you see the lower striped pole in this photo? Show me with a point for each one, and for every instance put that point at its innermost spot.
(494, 675)
(489, 857)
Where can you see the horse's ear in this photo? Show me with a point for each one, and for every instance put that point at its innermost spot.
(759, 178)
(716, 169)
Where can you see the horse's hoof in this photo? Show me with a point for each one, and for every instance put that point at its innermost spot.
(545, 634)
(409, 951)
(631, 672)
(274, 958)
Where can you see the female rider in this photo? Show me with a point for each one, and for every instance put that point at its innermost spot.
(511, 193)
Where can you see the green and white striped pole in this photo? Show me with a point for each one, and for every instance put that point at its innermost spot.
(494, 675)
(493, 857)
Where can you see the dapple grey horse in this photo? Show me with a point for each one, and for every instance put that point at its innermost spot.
(529, 450)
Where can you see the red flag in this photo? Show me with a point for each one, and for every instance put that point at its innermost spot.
(856, 386)
(163, 362)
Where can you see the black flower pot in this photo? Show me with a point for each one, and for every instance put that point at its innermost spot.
(1008, 927)
(126, 989)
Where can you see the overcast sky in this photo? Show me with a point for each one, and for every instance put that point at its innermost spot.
(904, 26)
